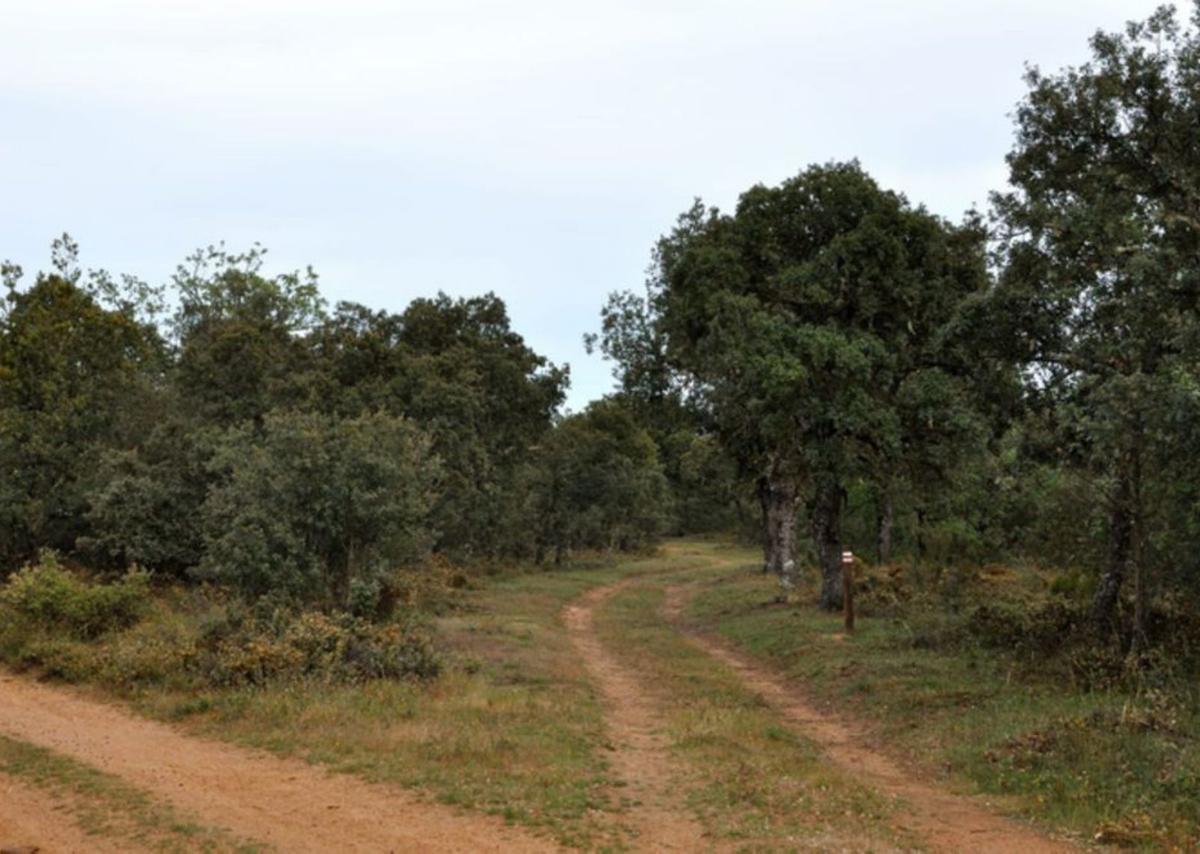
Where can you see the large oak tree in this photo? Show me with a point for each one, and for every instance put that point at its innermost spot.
(813, 320)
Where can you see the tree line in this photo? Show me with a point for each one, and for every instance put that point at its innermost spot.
(1024, 384)
(828, 364)
(229, 427)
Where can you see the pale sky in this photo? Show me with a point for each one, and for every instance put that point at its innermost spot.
(535, 149)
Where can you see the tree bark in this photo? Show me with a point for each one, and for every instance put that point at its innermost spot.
(921, 548)
(781, 529)
(763, 490)
(1123, 547)
(827, 536)
(885, 521)
(785, 534)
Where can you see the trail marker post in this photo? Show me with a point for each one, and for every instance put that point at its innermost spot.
(848, 588)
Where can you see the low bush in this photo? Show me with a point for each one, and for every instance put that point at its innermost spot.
(48, 596)
(310, 646)
(120, 635)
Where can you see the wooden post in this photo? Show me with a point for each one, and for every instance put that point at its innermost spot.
(848, 589)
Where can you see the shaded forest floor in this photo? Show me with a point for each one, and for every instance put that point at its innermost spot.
(663, 703)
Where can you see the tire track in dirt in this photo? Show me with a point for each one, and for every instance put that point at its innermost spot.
(640, 755)
(946, 821)
(33, 819)
(283, 803)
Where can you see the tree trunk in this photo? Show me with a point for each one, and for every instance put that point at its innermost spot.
(827, 537)
(885, 521)
(781, 530)
(1141, 611)
(763, 490)
(1121, 545)
(921, 548)
(1140, 604)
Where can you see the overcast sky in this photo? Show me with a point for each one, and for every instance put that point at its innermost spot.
(535, 149)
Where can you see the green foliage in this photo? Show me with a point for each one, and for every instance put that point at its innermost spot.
(704, 482)
(1098, 295)
(456, 367)
(818, 326)
(237, 332)
(315, 508)
(597, 483)
(47, 596)
(815, 311)
(146, 505)
(68, 366)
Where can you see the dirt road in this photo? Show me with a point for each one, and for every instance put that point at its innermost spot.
(283, 804)
(946, 821)
(635, 724)
(289, 805)
(31, 818)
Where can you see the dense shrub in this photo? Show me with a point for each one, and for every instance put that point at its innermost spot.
(49, 597)
(145, 505)
(318, 510)
(598, 484)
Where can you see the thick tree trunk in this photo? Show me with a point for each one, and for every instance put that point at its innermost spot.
(777, 493)
(885, 521)
(781, 513)
(827, 537)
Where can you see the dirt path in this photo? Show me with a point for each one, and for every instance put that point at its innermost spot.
(640, 756)
(30, 818)
(946, 821)
(285, 804)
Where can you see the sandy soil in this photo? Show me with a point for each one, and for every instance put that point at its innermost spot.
(31, 819)
(285, 804)
(640, 757)
(945, 820)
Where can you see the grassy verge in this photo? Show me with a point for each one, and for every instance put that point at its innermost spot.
(751, 781)
(105, 806)
(1114, 766)
(511, 728)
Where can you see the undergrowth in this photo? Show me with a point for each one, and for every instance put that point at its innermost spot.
(124, 635)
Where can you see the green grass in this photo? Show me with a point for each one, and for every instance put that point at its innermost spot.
(1108, 763)
(513, 728)
(750, 779)
(105, 806)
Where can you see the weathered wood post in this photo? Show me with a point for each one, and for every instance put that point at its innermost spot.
(848, 589)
